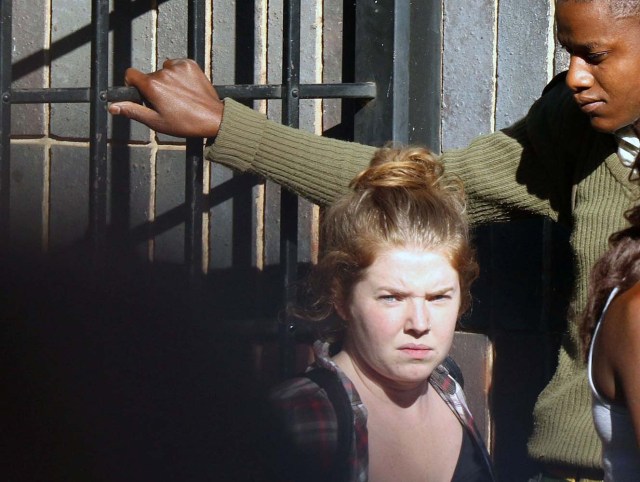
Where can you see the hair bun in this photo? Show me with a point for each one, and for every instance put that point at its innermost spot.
(408, 168)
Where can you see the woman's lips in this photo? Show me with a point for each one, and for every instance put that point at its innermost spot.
(416, 351)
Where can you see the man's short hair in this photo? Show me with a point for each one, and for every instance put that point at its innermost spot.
(618, 8)
(624, 8)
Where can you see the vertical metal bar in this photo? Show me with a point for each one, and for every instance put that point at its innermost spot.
(288, 201)
(416, 64)
(194, 153)
(291, 64)
(5, 118)
(98, 123)
(401, 77)
(374, 61)
(425, 74)
(398, 46)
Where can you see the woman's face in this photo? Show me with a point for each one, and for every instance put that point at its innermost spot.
(402, 315)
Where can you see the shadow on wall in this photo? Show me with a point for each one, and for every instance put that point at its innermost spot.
(109, 375)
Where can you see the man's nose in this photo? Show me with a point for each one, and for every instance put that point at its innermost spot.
(579, 76)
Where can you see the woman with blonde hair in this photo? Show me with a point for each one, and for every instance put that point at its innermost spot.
(396, 269)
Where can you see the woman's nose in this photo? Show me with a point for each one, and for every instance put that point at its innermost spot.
(418, 318)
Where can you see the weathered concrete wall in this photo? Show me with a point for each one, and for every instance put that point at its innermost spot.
(498, 56)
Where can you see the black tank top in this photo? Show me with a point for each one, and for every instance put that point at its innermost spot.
(470, 466)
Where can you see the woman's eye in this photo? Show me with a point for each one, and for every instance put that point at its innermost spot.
(440, 297)
(390, 298)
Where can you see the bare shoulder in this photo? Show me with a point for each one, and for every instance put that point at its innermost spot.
(623, 325)
(626, 309)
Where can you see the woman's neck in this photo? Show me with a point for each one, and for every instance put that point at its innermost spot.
(371, 384)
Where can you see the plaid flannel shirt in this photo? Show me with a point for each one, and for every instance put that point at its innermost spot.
(310, 419)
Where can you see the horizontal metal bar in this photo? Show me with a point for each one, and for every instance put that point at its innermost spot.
(361, 90)
(45, 96)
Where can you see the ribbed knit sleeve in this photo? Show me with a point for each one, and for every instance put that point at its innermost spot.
(315, 167)
(320, 168)
(527, 168)
(490, 168)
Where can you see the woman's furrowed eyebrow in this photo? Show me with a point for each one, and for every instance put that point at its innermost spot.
(403, 291)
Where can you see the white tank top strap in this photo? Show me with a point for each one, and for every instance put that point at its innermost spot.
(612, 295)
(595, 391)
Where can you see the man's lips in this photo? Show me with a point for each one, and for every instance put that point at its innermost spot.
(589, 106)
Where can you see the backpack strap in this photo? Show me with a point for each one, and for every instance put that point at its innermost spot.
(454, 370)
(330, 382)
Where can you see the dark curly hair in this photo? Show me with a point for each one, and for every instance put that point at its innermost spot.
(619, 266)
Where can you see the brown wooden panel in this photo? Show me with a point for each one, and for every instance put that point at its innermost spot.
(474, 353)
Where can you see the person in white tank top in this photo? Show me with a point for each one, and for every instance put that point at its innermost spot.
(610, 331)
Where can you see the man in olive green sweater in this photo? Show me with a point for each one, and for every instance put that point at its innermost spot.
(570, 159)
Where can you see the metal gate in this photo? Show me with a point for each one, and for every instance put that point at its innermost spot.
(372, 47)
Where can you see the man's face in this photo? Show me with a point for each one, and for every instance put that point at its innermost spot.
(604, 70)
